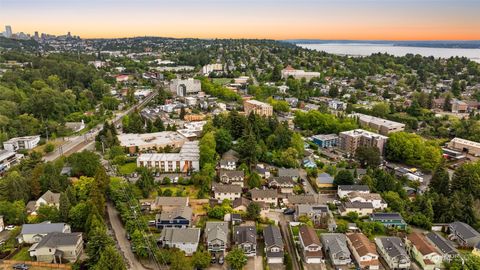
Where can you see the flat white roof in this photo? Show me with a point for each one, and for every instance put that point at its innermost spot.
(376, 120)
(158, 138)
(466, 142)
(258, 103)
(362, 132)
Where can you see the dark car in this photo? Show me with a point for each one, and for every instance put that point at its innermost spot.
(20, 266)
(213, 260)
(289, 211)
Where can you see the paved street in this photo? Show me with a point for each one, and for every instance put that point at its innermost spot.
(121, 237)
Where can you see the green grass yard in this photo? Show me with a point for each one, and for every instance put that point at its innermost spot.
(22, 255)
(127, 168)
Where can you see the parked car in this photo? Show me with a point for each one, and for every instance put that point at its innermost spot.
(289, 211)
(21, 266)
(221, 260)
(10, 227)
(213, 260)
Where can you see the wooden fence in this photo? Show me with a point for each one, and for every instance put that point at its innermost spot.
(7, 264)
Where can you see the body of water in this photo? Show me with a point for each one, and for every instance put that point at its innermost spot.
(362, 49)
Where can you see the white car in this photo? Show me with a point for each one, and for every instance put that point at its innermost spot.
(10, 227)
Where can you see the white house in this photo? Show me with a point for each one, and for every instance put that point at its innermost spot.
(185, 239)
(363, 251)
(374, 198)
(33, 233)
(227, 192)
(310, 245)
(21, 143)
(343, 190)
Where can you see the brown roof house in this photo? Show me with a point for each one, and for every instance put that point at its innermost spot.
(424, 253)
(310, 245)
(363, 251)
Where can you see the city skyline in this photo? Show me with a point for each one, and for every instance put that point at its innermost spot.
(304, 19)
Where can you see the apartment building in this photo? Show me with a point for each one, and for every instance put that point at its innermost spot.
(463, 145)
(353, 139)
(151, 141)
(380, 125)
(185, 87)
(187, 160)
(21, 143)
(257, 107)
(298, 73)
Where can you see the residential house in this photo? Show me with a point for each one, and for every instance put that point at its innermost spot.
(231, 177)
(344, 190)
(229, 160)
(263, 171)
(374, 198)
(217, 236)
(57, 247)
(227, 192)
(8, 159)
(274, 247)
(268, 196)
(48, 198)
(241, 204)
(292, 199)
(364, 252)
(293, 174)
(335, 245)
(167, 202)
(310, 245)
(178, 217)
(33, 233)
(446, 249)
(245, 237)
(393, 252)
(284, 183)
(422, 251)
(319, 214)
(185, 239)
(389, 220)
(361, 208)
(476, 250)
(324, 180)
(464, 234)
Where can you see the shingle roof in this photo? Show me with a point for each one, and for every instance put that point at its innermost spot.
(272, 236)
(335, 243)
(51, 198)
(288, 172)
(281, 181)
(241, 201)
(180, 235)
(245, 234)
(56, 239)
(264, 193)
(216, 230)
(464, 230)
(301, 199)
(361, 244)
(419, 241)
(227, 189)
(231, 174)
(171, 201)
(386, 216)
(358, 205)
(354, 187)
(42, 228)
(308, 235)
(174, 212)
(393, 246)
(442, 244)
(325, 178)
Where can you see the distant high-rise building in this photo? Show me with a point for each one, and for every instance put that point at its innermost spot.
(69, 34)
(36, 36)
(8, 31)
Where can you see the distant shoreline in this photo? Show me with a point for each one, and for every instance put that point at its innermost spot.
(454, 44)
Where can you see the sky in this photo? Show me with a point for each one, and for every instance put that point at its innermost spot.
(270, 19)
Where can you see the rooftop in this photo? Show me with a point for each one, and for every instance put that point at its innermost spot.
(180, 235)
(157, 138)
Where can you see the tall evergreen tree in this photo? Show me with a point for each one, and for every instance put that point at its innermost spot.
(440, 182)
(64, 206)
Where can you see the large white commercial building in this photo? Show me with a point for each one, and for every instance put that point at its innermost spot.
(188, 159)
(380, 125)
(151, 141)
(185, 87)
(298, 74)
(21, 143)
(207, 69)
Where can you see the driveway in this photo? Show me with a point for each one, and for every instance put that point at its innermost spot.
(282, 223)
(254, 263)
(121, 237)
(307, 186)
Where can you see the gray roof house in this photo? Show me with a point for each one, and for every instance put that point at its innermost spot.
(335, 245)
(310, 245)
(344, 190)
(231, 177)
(293, 199)
(169, 202)
(293, 174)
(324, 180)
(274, 247)
(393, 252)
(216, 236)
(33, 233)
(185, 239)
(465, 235)
(58, 247)
(179, 217)
(446, 249)
(318, 213)
(269, 196)
(245, 237)
(284, 183)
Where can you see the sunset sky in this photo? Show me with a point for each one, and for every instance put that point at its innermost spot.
(273, 19)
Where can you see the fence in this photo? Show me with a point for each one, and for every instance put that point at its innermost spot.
(7, 264)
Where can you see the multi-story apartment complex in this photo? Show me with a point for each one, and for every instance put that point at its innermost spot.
(185, 87)
(188, 159)
(380, 125)
(7, 159)
(353, 139)
(463, 145)
(257, 107)
(21, 143)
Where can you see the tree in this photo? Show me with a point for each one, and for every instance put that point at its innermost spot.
(368, 156)
(253, 211)
(84, 163)
(179, 261)
(207, 149)
(343, 177)
(201, 259)
(110, 259)
(48, 213)
(440, 182)
(236, 259)
(223, 140)
(77, 216)
(394, 201)
(98, 241)
(381, 109)
(254, 180)
(146, 182)
(64, 207)
(14, 187)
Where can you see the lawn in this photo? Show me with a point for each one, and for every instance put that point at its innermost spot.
(127, 168)
(22, 255)
(189, 191)
(221, 81)
(295, 231)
